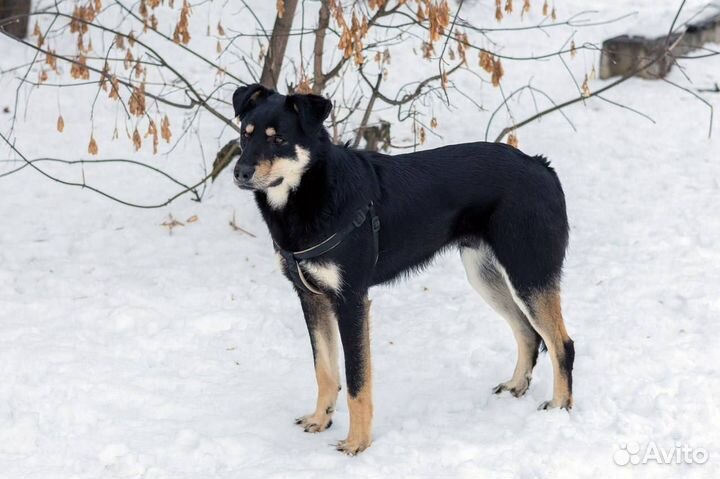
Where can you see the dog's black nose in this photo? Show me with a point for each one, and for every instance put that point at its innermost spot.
(244, 172)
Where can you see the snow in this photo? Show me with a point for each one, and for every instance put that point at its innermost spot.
(129, 352)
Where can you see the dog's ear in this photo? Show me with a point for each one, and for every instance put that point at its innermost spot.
(248, 97)
(311, 109)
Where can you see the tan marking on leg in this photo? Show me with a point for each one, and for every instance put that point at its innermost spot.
(519, 383)
(548, 321)
(327, 374)
(361, 405)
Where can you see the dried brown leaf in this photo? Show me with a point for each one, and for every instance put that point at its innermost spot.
(585, 88)
(497, 72)
(165, 129)
(526, 7)
(105, 76)
(303, 86)
(137, 140)
(139, 70)
(171, 223)
(51, 59)
(136, 105)
(486, 61)
(79, 70)
(92, 146)
(181, 33)
(128, 61)
(114, 88)
(152, 129)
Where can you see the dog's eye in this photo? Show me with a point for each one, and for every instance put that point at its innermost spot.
(277, 139)
(246, 134)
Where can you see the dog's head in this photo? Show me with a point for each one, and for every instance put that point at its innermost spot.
(278, 133)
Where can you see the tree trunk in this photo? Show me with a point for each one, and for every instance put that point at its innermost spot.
(10, 8)
(323, 22)
(278, 43)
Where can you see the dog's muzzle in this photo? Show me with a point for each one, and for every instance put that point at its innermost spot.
(244, 176)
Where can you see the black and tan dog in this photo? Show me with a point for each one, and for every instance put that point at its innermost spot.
(343, 220)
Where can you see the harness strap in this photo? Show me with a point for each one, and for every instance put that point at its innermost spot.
(293, 258)
(375, 232)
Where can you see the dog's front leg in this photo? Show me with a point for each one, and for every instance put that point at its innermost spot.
(322, 326)
(354, 323)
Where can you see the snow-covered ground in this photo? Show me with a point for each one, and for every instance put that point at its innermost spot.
(129, 352)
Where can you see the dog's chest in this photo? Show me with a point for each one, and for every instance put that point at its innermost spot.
(325, 274)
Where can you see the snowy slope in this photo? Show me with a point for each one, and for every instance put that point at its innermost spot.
(129, 352)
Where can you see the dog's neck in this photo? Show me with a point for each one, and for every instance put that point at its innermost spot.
(325, 200)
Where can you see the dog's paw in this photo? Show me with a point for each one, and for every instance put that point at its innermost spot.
(314, 423)
(566, 404)
(352, 447)
(516, 388)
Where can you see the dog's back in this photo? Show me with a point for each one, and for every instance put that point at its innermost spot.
(464, 194)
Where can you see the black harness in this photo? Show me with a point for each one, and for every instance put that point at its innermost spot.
(293, 258)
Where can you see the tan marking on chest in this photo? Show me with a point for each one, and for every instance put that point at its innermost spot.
(327, 275)
(291, 170)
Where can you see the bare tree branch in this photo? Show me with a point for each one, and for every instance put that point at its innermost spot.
(278, 44)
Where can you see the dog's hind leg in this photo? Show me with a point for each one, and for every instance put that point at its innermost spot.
(322, 326)
(543, 309)
(485, 276)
